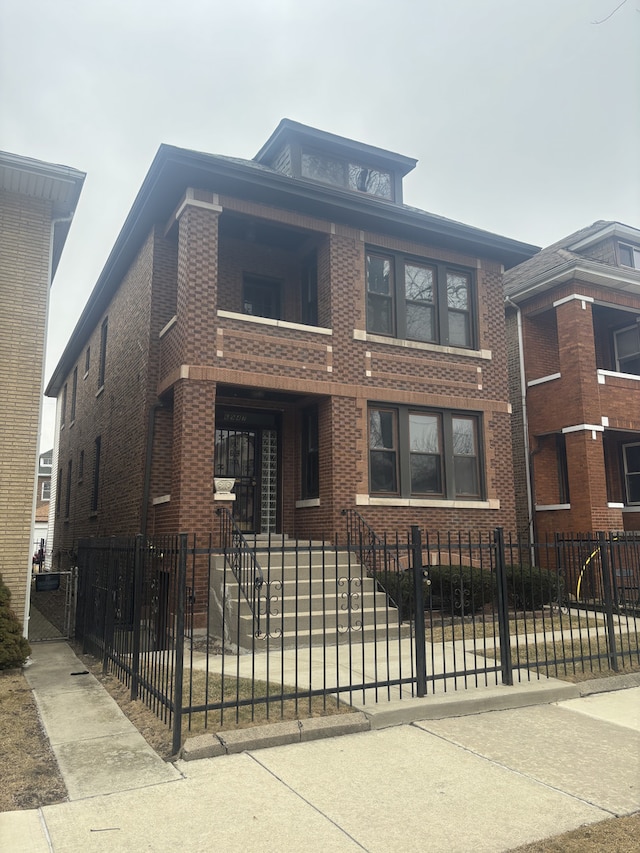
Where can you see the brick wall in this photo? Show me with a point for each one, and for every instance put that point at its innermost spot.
(118, 414)
(25, 225)
(191, 273)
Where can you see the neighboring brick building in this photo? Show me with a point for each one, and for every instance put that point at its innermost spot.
(573, 313)
(37, 201)
(289, 323)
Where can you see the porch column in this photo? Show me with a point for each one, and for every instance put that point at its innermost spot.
(587, 483)
(197, 293)
(193, 447)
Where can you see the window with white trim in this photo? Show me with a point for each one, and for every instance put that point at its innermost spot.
(629, 256)
(424, 453)
(420, 300)
(627, 347)
(631, 458)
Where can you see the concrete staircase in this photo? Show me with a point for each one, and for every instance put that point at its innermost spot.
(312, 594)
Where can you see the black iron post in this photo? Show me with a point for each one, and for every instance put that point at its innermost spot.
(503, 608)
(608, 602)
(418, 600)
(181, 582)
(138, 572)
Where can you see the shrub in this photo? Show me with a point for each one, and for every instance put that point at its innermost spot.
(458, 590)
(462, 590)
(14, 649)
(530, 587)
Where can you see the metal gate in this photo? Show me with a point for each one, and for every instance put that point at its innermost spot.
(52, 605)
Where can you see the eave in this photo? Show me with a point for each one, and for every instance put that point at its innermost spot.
(175, 169)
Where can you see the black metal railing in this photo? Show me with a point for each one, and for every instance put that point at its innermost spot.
(429, 613)
(242, 560)
(373, 550)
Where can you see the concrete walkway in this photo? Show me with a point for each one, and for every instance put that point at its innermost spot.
(486, 781)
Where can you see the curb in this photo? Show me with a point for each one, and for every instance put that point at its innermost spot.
(400, 712)
(272, 734)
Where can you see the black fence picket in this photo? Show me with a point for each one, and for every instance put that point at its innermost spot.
(354, 621)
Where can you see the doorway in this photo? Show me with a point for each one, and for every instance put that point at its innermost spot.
(246, 449)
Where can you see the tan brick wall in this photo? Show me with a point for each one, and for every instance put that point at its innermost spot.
(25, 226)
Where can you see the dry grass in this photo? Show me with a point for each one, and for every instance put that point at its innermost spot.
(30, 774)
(31, 778)
(618, 835)
(159, 734)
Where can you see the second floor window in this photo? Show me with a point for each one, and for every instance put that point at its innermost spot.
(627, 346)
(420, 300)
(629, 256)
(261, 297)
(631, 454)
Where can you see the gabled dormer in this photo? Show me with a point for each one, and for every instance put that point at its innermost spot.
(613, 243)
(313, 155)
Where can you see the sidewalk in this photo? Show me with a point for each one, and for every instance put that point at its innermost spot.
(486, 781)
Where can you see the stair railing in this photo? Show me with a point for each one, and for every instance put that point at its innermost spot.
(373, 551)
(241, 559)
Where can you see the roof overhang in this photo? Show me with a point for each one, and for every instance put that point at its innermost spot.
(174, 169)
(613, 229)
(60, 185)
(601, 275)
(289, 130)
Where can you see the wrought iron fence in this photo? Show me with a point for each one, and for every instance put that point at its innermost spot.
(353, 621)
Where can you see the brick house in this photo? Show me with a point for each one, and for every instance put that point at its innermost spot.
(288, 323)
(573, 315)
(37, 202)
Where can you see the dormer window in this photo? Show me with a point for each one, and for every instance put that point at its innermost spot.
(629, 256)
(342, 173)
(300, 151)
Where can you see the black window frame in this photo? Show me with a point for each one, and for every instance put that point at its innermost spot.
(564, 494)
(95, 491)
(270, 285)
(629, 474)
(104, 333)
(344, 169)
(67, 500)
(447, 456)
(633, 357)
(74, 394)
(310, 453)
(443, 331)
(63, 413)
(633, 254)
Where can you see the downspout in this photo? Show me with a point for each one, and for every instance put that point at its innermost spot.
(525, 419)
(147, 467)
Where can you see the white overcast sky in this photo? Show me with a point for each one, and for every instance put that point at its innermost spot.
(524, 114)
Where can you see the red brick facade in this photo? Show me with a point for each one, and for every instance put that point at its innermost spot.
(188, 365)
(583, 408)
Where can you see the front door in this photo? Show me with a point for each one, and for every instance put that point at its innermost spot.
(248, 453)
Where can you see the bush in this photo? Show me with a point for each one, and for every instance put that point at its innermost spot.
(14, 649)
(458, 590)
(462, 590)
(530, 587)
